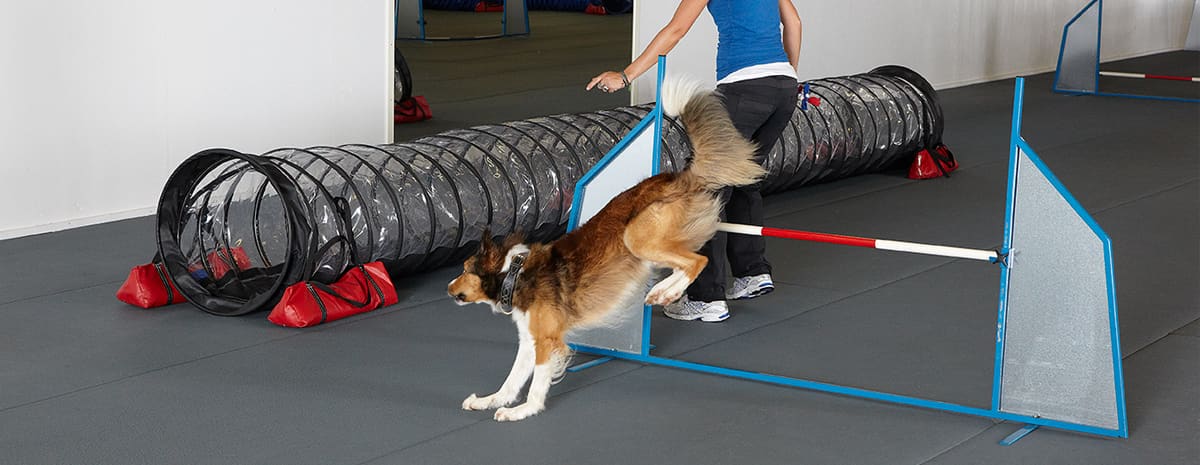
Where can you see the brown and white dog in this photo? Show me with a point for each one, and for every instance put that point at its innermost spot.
(581, 279)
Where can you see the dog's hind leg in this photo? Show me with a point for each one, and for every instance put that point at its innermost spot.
(649, 239)
(686, 265)
(522, 367)
(667, 290)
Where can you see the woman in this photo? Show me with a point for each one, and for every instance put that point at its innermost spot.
(756, 77)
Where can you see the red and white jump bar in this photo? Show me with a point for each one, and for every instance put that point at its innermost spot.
(1149, 76)
(882, 244)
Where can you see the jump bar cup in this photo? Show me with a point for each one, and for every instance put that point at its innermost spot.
(362, 289)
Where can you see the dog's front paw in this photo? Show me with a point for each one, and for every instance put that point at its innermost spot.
(479, 403)
(517, 413)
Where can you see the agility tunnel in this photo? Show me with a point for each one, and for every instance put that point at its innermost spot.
(235, 229)
(1057, 343)
(1078, 71)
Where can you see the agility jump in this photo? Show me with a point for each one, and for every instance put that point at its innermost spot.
(1057, 358)
(1078, 71)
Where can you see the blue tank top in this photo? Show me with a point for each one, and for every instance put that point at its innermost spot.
(747, 34)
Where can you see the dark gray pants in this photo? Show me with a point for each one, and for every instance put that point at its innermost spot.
(760, 108)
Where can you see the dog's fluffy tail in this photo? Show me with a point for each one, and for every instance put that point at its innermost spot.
(720, 155)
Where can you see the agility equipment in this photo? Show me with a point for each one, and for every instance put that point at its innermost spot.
(236, 229)
(410, 19)
(932, 163)
(881, 244)
(361, 289)
(402, 76)
(407, 108)
(149, 287)
(1057, 359)
(1078, 71)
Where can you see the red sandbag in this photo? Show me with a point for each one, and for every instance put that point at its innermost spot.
(362, 289)
(149, 286)
(489, 6)
(223, 260)
(933, 163)
(412, 110)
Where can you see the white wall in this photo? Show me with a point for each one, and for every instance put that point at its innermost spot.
(99, 101)
(1193, 36)
(950, 42)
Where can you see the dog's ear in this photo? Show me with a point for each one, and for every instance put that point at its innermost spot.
(512, 240)
(489, 256)
(485, 243)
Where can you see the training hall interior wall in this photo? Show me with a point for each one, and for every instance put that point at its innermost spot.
(99, 101)
(951, 42)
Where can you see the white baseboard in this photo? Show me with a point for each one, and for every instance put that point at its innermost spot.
(76, 223)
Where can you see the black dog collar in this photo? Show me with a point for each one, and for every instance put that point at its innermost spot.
(510, 283)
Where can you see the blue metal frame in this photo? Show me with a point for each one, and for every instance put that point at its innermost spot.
(421, 20)
(1099, 33)
(1018, 434)
(648, 311)
(504, 21)
(1002, 313)
(1148, 97)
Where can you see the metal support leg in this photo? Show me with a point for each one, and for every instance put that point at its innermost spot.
(1018, 434)
(594, 363)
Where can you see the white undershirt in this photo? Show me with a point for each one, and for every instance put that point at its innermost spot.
(781, 68)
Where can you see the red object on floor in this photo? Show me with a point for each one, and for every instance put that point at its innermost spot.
(360, 290)
(413, 110)
(489, 6)
(932, 163)
(594, 9)
(222, 261)
(149, 286)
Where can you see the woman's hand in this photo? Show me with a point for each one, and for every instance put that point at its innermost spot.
(685, 15)
(608, 81)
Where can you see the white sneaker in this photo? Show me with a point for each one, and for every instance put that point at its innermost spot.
(688, 310)
(750, 287)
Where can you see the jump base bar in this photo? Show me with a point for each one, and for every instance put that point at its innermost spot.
(843, 390)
